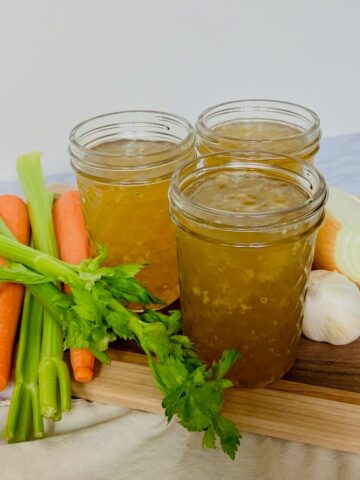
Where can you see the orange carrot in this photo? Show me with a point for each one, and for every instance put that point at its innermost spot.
(82, 363)
(14, 212)
(73, 246)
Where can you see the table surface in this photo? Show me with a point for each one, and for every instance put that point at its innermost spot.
(99, 442)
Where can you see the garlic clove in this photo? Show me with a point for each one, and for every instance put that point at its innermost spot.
(332, 308)
(338, 241)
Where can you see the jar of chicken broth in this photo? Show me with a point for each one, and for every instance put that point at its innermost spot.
(246, 234)
(123, 163)
(263, 125)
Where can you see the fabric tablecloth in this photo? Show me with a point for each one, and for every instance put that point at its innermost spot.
(102, 442)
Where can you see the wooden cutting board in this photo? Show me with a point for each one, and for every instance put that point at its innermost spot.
(318, 401)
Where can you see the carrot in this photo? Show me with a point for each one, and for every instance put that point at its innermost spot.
(14, 212)
(82, 363)
(73, 247)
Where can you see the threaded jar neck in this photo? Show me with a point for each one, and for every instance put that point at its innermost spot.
(187, 213)
(170, 137)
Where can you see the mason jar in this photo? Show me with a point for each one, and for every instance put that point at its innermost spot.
(123, 163)
(246, 233)
(263, 125)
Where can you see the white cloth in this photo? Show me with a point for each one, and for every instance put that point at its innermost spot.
(102, 442)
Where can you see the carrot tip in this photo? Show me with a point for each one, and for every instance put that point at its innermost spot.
(3, 383)
(83, 374)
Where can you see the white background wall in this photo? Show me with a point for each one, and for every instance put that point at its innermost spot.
(62, 61)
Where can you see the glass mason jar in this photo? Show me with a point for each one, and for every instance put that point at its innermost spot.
(123, 162)
(245, 239)
(263, 125)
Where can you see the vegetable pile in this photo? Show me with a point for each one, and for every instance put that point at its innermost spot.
(91, 314)
(332, 307)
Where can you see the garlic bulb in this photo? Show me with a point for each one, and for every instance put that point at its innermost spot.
(332, 308)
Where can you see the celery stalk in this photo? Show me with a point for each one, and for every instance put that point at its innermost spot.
(33, 185)
(54, 379)
(36, 260)
(24, 414)
(37, 283)
(47, 294)
(25, 403)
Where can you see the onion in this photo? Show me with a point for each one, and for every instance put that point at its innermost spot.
(338, 241)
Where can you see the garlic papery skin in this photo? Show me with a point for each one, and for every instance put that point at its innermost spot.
(332, 308)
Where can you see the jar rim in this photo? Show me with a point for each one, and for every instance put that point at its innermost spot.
(239, 220)
(263, 105)
(171, 152)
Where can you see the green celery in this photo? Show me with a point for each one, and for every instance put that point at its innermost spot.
(43, 290)
(52, 299)
(33, 185)
(94, 312)
(24, 416)
(25, 402)
(37, 261)
(39, 283)
(54, 379)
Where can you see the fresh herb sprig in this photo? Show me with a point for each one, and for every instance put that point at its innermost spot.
(95, 313)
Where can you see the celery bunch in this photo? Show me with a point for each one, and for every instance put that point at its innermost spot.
(54, 378)
(42, 387)
(95, 313)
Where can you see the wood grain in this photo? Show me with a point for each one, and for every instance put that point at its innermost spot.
(327, 365)
(318, 416)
